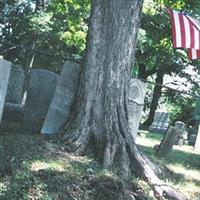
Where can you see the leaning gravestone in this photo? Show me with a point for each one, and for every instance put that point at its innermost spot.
(13, 110)
(40, 93)
(161, 122)
(62, 99)
(135, 104)
(170, 138)
(15, 85)
(4, 77)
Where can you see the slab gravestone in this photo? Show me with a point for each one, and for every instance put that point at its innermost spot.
(161, 122)
(15, 85)
(170, 138)
(135, 104)
(40, 93)
(13, 110)
(197, 141)
(4, 77)
(62, 99)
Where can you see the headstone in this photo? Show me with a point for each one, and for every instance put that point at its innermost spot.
(135, 104)
(13, 110)
(62, 99)
(196, 113)
(197, 142)
(161, 122)
(192, 139)
(40, 93)
(4, 77)
(180, 138)
(15, 85)
(170, 138)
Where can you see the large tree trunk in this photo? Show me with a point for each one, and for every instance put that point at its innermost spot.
(100, 109)
(156, 95)
(99, 117)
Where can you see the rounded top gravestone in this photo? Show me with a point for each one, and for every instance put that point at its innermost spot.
(40, 93)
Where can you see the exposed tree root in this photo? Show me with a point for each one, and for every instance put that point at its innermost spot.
(161, 189)
(125, 154)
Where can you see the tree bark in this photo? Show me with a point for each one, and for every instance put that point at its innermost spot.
(156, 95)
(142, 72)
(99, 112)
(99, 116)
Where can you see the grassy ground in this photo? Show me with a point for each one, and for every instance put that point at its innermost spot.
(183, 165)
(33, 167)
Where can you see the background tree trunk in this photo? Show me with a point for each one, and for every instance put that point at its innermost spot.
(99, 116)
(156, 95)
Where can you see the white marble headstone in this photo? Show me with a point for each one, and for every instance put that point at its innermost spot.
(136, 102)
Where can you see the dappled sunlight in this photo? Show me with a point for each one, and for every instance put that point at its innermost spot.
(39, 165)
(183, 164)
(3, 187)
(189, 175)
(187, 148)
(144, 139)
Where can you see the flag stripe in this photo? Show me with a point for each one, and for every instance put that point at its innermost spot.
(177, 30)
(182, 28)
(196, 38)
(172, 16)
(185, 33)
(192, 32)
(194, 22)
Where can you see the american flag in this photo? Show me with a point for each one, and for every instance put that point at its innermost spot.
(185, 33)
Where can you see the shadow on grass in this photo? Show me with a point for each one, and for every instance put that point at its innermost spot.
(181, 178)
(188, 160)
(36, 167)
(17, 149)
(154, 136)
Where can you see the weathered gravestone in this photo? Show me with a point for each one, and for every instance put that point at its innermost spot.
(135, 104)
(196, 116)
(196, 137)
(5, 67)
(197, 142)
(40, 93)
(62, 99)
(170, 138)
(161, 122)
(15, 85)
(13, 110)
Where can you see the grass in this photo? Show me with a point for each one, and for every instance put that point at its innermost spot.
(34, 167)
(183, 164)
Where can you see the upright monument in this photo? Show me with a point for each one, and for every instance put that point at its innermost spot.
(135, 104)
(161, 122)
